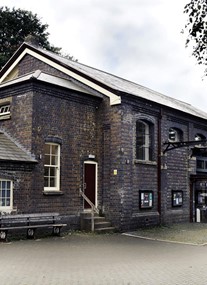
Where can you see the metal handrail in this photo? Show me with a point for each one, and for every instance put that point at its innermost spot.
(93, 208)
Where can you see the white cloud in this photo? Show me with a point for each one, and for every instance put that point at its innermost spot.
(139, 40)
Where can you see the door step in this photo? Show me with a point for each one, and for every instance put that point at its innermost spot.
(101, 225)
(105, 230)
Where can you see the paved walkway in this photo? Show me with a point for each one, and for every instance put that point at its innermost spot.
(86, 259)
(189, 233)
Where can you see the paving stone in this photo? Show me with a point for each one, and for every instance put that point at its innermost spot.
(87, 259)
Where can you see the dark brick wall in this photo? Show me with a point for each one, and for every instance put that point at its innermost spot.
(87, 125)
(71, 117)
(133, 176)
(20, 124)
(30, 64)
(21, 175)
(37, 114)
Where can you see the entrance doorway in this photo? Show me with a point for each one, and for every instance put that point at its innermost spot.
(200, 200)
(90, 182)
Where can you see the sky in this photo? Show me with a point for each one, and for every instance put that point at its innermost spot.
(139, 40)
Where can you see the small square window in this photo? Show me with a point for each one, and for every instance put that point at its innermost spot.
(5, 110)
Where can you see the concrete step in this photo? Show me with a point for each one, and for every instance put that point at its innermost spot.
(105, 230)
(102, 224)
(97, 219)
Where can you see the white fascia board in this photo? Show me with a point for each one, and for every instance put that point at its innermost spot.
(114, 99)
(12, 66)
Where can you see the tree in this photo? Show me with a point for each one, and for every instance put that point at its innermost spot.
(15, 26)
(196, 27)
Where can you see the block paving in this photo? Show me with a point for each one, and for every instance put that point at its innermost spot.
(109, 259)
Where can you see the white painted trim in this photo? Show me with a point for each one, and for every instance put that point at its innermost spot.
(57, 168)
(8, 209)
(13, 65)
(114, 99)
(96, 179)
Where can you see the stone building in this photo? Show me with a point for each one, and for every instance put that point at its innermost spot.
(69, 132)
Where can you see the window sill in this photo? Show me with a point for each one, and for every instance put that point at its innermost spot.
(5, 211)
(148, 162)
(5, 117)
(52, 193)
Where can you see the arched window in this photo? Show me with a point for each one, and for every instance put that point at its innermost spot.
(175, 135)
(143, 141)
(199, 137)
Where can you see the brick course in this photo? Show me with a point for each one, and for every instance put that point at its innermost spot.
(84, 125)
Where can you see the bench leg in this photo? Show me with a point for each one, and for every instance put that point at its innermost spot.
(56, 231)
(3, 235)
(30, 233)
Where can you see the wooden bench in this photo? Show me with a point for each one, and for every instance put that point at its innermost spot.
(30, 222)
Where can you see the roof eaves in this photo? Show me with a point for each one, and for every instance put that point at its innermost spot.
(26, 48)
(80, 76)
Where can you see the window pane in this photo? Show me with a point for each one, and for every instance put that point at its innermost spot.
(47, 171)
(47, 149)
(47, 159)
(52, 171)
(54, 150)
(54, 160)
(3, 185)
(7, 202)
(140, 153)
(8, 184)
(46, 182)
(52, 182)
(200, 164)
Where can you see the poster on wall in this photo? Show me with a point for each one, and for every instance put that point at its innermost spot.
(146, 199)
(177, 198)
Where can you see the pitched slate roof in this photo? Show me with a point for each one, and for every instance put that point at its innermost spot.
(9, 151)
(110, 85)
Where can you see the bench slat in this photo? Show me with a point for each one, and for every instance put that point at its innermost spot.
(30, 222)
(33, 227)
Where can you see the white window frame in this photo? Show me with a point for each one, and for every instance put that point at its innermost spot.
(10, 207)
(5, 110)
(55, 166)
(146, 144)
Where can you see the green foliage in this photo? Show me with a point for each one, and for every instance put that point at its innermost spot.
(15, 26)
(196, 28)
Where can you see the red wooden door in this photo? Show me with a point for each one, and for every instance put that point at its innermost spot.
(90, 183)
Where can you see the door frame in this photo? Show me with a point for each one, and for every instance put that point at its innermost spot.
(96, 179)
(193, 191)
